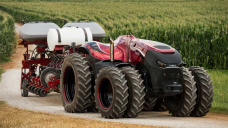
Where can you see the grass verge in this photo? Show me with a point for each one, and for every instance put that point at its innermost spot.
(220, 80)
(14, 117)
(2, 103)
(1, 71)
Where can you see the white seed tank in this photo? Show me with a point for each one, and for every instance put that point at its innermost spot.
(67, 35)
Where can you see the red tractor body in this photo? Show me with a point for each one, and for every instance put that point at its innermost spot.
(127, 48)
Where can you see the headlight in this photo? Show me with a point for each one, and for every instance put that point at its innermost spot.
(161, 64)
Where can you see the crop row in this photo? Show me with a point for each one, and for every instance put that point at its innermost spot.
(7, 39)
(198, 30)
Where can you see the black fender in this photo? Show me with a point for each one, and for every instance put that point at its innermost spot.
(84, 49)
(124, 64)
(107, 63)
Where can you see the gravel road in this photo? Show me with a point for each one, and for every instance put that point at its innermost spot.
(10, 92)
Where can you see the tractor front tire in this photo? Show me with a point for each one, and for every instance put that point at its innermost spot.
(204, 91)
(181, 105)
(91, 61)
(92, 108)
(159, 105)
(149, 103)
(75, 83)
(111, 92)
(136, 91)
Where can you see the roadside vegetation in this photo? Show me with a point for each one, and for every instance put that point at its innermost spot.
(7, 39)
(1, 71)
(220, 82)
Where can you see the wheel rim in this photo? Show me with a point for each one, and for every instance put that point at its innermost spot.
(105, 93)
(48, 75)
(69, 84)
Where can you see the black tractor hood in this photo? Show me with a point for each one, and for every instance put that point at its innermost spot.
(168, 58)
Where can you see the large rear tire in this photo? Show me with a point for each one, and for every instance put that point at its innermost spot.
(91, 61)
(182, 105)
(149, 103)
(92, 108)
(136, 92)
(204, 91)
(111, 92)
(75, 83)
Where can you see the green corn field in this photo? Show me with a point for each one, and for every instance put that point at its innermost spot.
(197, 29)
(7, 41)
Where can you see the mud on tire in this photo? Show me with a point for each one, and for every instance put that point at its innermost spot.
(111, 92)
(136, 92)
(182, 105)
(204, 91)
(75, 83)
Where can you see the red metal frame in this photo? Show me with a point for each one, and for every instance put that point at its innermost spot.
(31, 65)
(53, 83)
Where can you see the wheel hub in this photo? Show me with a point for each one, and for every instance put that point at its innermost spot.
(105, 93)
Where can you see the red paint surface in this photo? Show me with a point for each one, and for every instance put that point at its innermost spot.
(128, 49)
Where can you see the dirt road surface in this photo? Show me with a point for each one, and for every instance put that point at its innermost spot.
(10, 92)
